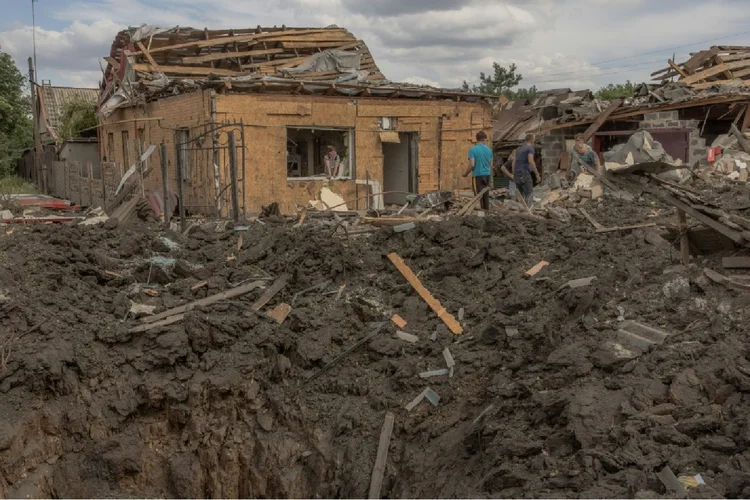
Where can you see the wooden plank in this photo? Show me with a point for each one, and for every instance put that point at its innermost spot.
(593, 221)
(684, 240)
(735, 262)
(705, 219)
(714, 70)
(745, 119)
(677, 69)
(270, 293)
(699, 59)
(743, 141)
(728, 73)
(470, 206)
(238, 39)
(378, 471)
(601, 119)
(625, 228)
(186, 70)
(727, 282)
(536, 269)
(389, 221)
(229, 55)
(165, 322)
(149, 58)
(434, 304)
(315, 45)
(232, 292)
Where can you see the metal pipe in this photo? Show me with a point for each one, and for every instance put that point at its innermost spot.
(165, 184)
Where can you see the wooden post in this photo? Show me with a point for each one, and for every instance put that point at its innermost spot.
(165, 184)
(684, 240)
(378, 471)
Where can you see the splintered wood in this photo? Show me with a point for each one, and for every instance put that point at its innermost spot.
(434, 304)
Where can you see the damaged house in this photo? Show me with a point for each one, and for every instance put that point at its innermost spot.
(273, 102)
(689, 117)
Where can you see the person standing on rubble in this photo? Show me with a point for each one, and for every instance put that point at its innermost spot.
(480, 163)
(585, 155)
(523, 166)
(507, 170)
(333, 162)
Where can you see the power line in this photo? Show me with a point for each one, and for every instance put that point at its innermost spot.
(533, 77)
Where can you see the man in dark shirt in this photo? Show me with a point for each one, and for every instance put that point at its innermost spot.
(522, 169)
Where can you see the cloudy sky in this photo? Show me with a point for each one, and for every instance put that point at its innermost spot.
(554, 43)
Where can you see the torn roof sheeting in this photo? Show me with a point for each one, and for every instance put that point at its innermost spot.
(149, 62)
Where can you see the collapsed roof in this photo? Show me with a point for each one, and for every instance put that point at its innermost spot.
(717, 76)
(726, 65)
(148, 62)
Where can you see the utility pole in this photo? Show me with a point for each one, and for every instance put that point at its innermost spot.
(41, 172)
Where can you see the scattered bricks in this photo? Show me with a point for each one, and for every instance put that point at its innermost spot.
(398, 321)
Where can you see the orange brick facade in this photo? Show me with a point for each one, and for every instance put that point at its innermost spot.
(445, 131)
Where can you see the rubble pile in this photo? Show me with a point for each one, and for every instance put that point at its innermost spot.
(588, 364)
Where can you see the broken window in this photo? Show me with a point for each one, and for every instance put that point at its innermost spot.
(318, 154)
(183, 150)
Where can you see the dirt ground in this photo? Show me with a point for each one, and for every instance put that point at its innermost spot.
(217, 405)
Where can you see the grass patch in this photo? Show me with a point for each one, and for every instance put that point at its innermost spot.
(16, 185)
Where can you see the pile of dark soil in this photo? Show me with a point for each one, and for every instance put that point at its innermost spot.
(216, 405)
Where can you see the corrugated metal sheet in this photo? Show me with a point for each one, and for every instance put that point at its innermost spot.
(53, 99)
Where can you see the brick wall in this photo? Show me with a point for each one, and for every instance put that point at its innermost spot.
(553, 143)
(671, 119)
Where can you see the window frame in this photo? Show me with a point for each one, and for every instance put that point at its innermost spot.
(351, 157)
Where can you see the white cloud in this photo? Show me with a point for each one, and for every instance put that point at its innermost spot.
(554, 43)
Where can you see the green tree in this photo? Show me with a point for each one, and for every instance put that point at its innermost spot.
(76, 116)
(15, 123)
(500, 83)
(615, 91)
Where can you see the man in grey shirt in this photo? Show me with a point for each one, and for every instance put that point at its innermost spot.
(581, 155)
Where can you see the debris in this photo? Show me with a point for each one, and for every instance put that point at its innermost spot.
(378, 470)
(113, 274)
(432, 397)
(170, 244)
(678, 288)
(138, 310)
(536, 269)
(199, 285)
(339, 292)
(691, 481)
(461, 313)
(434, 335)
(511, 331)
(404, 227)
(280, 312)
(428, 394)
(434, 373)
(177, 313)
(97, 216)
(363, 340)
(332, 200)
(265, 421)
(434, 304)
(151, 292)
(270, 293)
(594, 193)
(319, 286)
(735, 262)
(414, 402)
(573, 284)
(470, 206)
(639, 336)
(398, 321)
(389, 221)
(670, 481)
(449, 361)
(407, 337)
(727, 282)
(560, 214)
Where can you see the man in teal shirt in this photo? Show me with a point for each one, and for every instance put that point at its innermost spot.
(480, 163)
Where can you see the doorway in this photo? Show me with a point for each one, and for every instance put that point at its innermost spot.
(400, 167)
